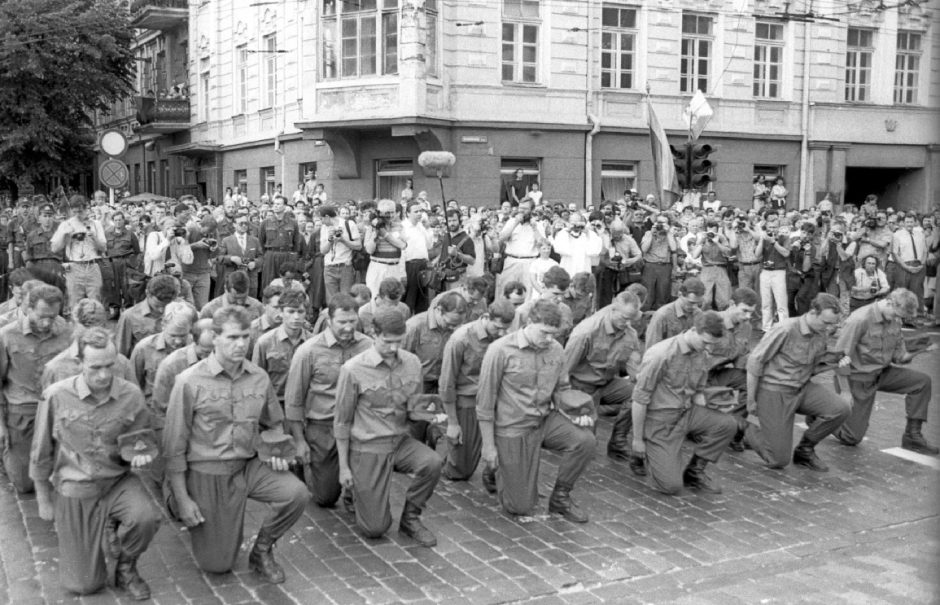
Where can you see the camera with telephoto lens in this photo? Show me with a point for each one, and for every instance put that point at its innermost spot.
(710, 235)
(211, 242)
(873, 290)
(871, 223)
(660, 228)
(79, 236)
(379, 224)
(179, 231)
(740, 225)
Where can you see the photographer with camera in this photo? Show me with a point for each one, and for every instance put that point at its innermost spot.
(338, 238)
(659, 249)
(618, 265)
(875, 238)
(576, 244)
(773, 278)
(520, 236)
(204, 244)
(84, 243)
(713, 249)
(167, 249)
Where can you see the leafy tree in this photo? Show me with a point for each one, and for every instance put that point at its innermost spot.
(60, 60)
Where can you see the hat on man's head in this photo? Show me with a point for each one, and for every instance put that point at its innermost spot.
(47, 209)
(275, 444)
(138, 443)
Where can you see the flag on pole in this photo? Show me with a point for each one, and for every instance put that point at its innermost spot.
(697, 114)
(667, 186)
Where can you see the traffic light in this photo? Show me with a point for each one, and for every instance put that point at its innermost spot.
(682, 159)
(700, 166)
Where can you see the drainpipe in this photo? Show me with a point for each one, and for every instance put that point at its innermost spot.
(589, 159)
(804, 118)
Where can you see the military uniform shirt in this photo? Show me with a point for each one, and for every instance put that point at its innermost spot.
(67, 364)
(596, 352)
(670, 374)
(135, 324)
(426, 338)
(463, 356)
(787, 355)
(310, 392)
(23, 354)
(668, 321)
(872, 341)
(273, 353)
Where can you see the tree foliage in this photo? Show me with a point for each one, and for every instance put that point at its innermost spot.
(60, 60)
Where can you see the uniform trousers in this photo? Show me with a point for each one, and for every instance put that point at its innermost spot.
(271, 265)
(416, 297)
(665, 431)
(772, 439)
(119, 295)
(916, 386)
(21, 420)
(735, 378)
(773, 292)
(324, 462)
(83, 280)
(657, 278)
(462, 459)
(609, 398)
(372, 480)
(518, 473)
(716, 280)
(222, 498)
(80, 524)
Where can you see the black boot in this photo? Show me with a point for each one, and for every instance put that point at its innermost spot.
(618, 447)
(638, 465)
(349, 504)
(695, 477)
(262, 560)
(805, 455)
(914, 440)
(126, 578)
(489, 480)
(561, 503)
(411, 526)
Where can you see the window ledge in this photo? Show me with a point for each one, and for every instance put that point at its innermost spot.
(536, 85)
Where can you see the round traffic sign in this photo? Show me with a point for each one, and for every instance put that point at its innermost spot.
(113, 142)
(113, 173)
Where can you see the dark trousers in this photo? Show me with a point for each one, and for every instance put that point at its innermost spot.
(666, 430)
(609, 398)
(518, 473)
(658, 281)
(462, 460)
(118, 294)
(271, 265)
(913, 282)
(772, 436)
(735, 378)
(80, 524)
(416, 297)
(20, 425)
(324, 462)
(372, 481)
(222, 500)
(916, 386)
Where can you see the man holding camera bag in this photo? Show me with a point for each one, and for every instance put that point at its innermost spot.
(84, 243)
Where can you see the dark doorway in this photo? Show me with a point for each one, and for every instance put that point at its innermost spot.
(886, 183)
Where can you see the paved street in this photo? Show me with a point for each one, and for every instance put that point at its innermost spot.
(867, 532)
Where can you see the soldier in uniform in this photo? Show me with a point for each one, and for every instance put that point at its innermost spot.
(374, 396)
(37, 250)
(280, 239)
(76, 448)
(212, 479)
(123, 252)
(274, 350)
(145, 318)
(236, 294)
(678, 316)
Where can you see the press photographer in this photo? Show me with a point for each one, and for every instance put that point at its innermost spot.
(84, 243)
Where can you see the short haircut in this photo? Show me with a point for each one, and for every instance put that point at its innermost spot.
(452, 302)
(179, 312)
(328, 211)
(478, 285)
(294, 299)
(342, 302)
(825, 301)
(452, 212)
(96, 338)
(88, 313)
(513, 287)
(19, 276)
(711, 323)
(180, 208)
(163, 287)
(745, 296)
(390, 288)
(411, 205)
(692, 285)
(389, 321)
(361, 291)
(546, 312)
(558, 278)
(628, 298)
(502, 310)
(199, 327)
(230, 314)
(289, 266)
(639, 290)
(237, 281)
(271, 292)
(45, 293)
(904, 301)
(584, 281)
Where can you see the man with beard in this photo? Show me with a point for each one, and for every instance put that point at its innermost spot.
(310, 395)
(458, 252)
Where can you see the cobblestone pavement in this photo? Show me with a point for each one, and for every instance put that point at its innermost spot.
(866, 532)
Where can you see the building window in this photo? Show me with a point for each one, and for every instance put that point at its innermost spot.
(165, 177)
(269, 46)
(204, 80)
(306, 171)
(770, 172)
(151, 177)
(907, 67)
(618, 46)
(368, 38)
(768, 60)
(430, 44)
(521, 25)
(241, 181)
(391, 177)
(616, 178)
(241, 79)
(517, 176)
(696, 53)
(268, 184)
(858, 57)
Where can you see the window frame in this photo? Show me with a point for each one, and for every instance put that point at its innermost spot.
(856, 92)
(616, 70)
(392, 168)
(384, 59)
(240, 181)
(205, 82)
(620, 170)
(531, 171)
(268, 180)
(763, 66)
(690, 81)
(240, 79)
(907, 67)
(519, 25)
(269, 69)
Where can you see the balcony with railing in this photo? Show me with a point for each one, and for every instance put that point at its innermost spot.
(161, 15)
(162, 116)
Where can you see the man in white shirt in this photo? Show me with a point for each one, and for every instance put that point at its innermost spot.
(164, 247)
(521, 235)
(418, 241)
(712, 202)
(84, 243)
(338, 238)
(576, 245)
(909, 248)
